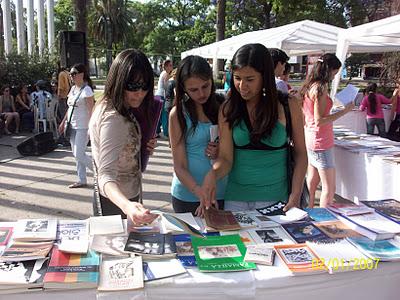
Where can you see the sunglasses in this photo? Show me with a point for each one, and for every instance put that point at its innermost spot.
(135, 86)
(73, 74)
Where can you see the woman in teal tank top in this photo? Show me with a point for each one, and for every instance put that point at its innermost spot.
(195, 111)
(253, 140)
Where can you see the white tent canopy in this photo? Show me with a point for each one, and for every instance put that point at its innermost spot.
(378, 36)
(300, 38)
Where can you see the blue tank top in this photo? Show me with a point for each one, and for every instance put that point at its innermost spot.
(198, 163)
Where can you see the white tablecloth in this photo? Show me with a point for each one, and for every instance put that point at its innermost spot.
(264, 283)
(355, 120)
(365, 177)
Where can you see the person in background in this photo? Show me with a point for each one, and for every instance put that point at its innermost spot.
(393, 132)
(195, 111)
(279, 58)
(253, 147)
(170, 92)
(161, 87)
(40, 98)
(372, 102)
(7, 110)
(319, 127)
(227, 78)
(24, 107)
(64, 85)
(116, 137)
(285, 76)
(80, 104)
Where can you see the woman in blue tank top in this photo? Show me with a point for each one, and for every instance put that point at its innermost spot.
(195, 111)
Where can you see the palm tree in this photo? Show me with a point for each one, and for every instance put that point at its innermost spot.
(110, 22)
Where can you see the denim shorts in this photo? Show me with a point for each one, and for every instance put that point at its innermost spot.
(321, 159)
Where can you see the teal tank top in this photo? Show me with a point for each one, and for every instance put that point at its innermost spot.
(198, 163)
(259, 172)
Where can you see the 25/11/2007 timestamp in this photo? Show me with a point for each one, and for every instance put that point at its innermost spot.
(345, 264)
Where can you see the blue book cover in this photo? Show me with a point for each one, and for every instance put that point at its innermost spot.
(385, 250)
(320, 214)
(304, 231)
(184, 249)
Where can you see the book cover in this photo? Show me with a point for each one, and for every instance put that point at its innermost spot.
(262, 254)
(271, 235)
(244, 219)
(350, 209)
(292, 215)
(385, 250)
(72, 271)
(221, 219)
(263, 221)
(5, 234)
(389, 208)
(22, 251)
(73, 236)
(179, 223)
(245, 236)
(221, 254)
(273, 209)
(111, 244)
(184, 249)
(106, 225)
(300, 259)
(121, 274)
(304, 231)
(320, 214)
(35, 230)
(336, 229)
(149, 245)
(153, 270)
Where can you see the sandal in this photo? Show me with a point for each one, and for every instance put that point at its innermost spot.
(77, 185)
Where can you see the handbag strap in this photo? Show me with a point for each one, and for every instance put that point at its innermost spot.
(73, 106)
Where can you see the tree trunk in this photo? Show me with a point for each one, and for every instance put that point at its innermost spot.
(221, 6)
(1, 33)
(267, 15)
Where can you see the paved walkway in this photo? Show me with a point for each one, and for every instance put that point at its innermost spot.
(37, 187)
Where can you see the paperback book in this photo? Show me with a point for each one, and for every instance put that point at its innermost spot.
(153, 245)
(320, 214)
(35, 230)
(106, 225)
(273, 209)
(118, 274)
(262, 254)
(153, 270)
(111, 244)
(221, 254)
(305, 231)
(385, 250)
(244, 219)
(350, 209)
(389, 208)
(5, 235)
(72, 271)
(22, 251)
(221, 219)
(336, 229)
(292, 215)
(178, 223)
(73, 236)
(245, 236)
(271, 235)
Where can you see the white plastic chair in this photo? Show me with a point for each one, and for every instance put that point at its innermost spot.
(50, 117)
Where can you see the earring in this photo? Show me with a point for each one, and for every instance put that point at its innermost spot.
(185, 97)
(264, 94)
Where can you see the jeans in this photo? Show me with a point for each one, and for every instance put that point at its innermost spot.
(244, 205)
(79, 140)
(380, 123)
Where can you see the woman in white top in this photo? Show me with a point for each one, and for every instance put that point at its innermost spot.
(80, 104)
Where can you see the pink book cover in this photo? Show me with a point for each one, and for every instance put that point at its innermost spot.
(5, 234)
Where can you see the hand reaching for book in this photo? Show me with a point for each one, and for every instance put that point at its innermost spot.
(294, 201)
(138, 214)
(209, 188)
(200, 210)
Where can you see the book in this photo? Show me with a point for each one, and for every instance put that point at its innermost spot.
(214, 134)
(338, 255)
(111, 244)
(350, 209)
(263, 221)
(292, 215)
(178, 223)
(304, 231)
(152, 245)
(347, 95)
(153, 270)
(244, 219)
(22, 251)
(320, 214)
(336, 229)
(118, 274)
(271, 235)
(221, 219)
(262, 254)
(245, 236)
(106, 225)
(389, 208)
(5, 234)
(300, 259)
(73, 236)
(373, 225)
(184, 249)
(385, 250)
(72, 271)
(35, 230)
(22, 274)
(221, 254)
(273, 209)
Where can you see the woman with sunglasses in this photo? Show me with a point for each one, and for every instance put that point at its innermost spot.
(195, 111)
(80, 105)
(7, 109)
(116, 137)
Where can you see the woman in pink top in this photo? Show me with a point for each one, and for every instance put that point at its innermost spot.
(319, 127)
(393, 132)
(373, 103)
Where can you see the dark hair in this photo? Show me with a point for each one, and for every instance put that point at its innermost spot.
(321, 73)
(287, 69)
(371, 90)
(81, 68)
(166, 62)
(194, 66)
(278, 55)
(258, 57)
(129, 65)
